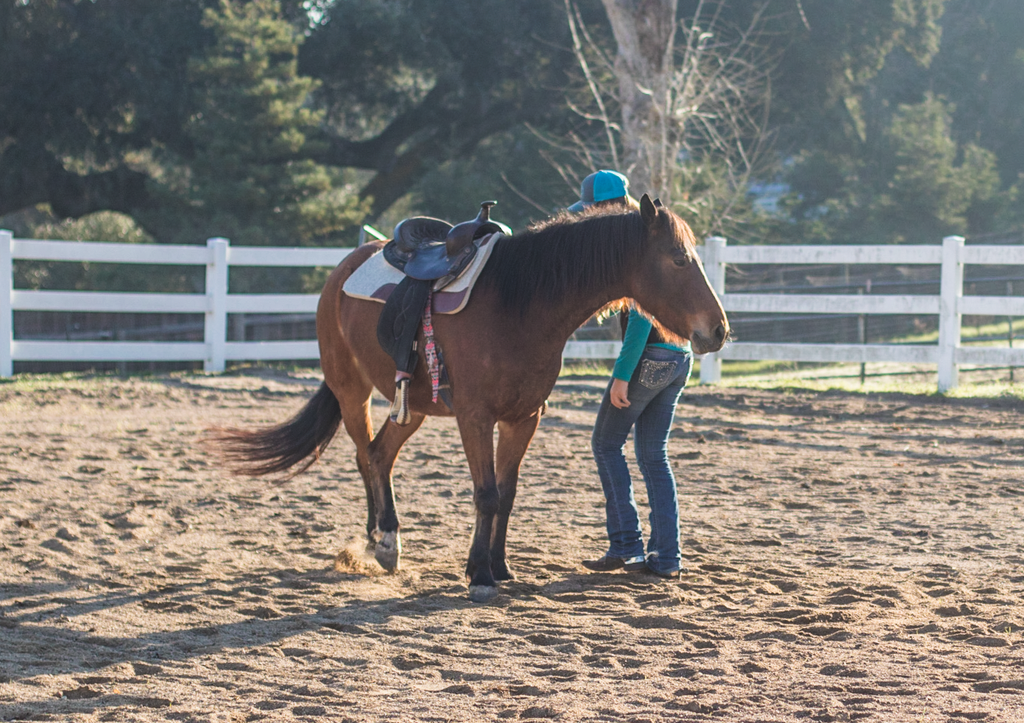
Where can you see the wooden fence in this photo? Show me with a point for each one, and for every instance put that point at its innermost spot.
(216, 303)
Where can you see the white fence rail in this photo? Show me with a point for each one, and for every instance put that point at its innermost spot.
(950, 305)
(217, 256)
(216, 303)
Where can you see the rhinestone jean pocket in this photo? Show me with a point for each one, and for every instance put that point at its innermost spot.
(655, 374)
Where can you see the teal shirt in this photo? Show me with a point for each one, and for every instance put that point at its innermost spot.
(633, 345)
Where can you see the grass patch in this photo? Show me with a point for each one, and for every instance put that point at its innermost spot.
(62, 380)
(586, 368)
(881, 378)
(989, 390)
(1000, 330)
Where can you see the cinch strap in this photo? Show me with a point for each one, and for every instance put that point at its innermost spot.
(430, 350)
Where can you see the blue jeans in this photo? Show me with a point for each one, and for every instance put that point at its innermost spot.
(654, 389)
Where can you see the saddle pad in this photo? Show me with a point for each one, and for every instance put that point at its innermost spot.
(376, 279)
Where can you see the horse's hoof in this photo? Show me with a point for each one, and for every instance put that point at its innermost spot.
(371, 540)
(389, 551)
(501, 572)
(482, 593)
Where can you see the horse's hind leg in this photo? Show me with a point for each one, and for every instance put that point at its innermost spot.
(513, 441)
(353, 391)
(382, 452)
(359, 426)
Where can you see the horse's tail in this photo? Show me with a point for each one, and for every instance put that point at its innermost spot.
(301, 439)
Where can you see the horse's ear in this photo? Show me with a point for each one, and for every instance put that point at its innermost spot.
(648, 211)
(658, 203)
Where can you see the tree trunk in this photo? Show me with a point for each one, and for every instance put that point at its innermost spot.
(645, 34)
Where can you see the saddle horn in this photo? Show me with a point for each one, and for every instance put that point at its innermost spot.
(485, 211)
(462, 235)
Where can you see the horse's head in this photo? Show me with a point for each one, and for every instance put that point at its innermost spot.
(670, 283)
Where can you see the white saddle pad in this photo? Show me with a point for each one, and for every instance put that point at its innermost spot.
(376, 279)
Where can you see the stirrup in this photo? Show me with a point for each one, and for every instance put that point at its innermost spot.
(400, 413)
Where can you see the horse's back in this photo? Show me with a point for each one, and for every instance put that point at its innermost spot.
(341, 340)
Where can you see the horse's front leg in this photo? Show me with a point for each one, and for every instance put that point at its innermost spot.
(513, 440)
(477, 432)
(382, 452)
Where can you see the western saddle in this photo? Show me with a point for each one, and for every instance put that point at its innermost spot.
(430, 249)
(432, 254)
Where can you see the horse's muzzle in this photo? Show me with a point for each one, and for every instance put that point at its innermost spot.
(706, 344)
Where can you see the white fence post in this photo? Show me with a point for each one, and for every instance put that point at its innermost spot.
(714, 268)
(6, 304)
(950, 292)
(216, 330)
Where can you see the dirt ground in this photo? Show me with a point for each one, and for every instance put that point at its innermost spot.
(848, 557)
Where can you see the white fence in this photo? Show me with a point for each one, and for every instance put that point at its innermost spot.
(217, 303)
(950, 305)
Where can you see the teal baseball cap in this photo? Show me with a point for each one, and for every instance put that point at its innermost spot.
(601, 186)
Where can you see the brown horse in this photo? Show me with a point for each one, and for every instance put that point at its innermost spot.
(503, 352)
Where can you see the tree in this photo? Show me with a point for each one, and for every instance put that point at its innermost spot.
(980, 67)
(874, 152)
(691, 85)
(198, 127)
(917, 185)
(249, 174)
(411, 85)
(86, 87)
(107, 107)
(645, 68)
(935, 183)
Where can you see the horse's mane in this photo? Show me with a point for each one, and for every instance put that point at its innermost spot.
(567, 255)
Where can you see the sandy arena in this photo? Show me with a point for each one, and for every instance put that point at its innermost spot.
(848, 557)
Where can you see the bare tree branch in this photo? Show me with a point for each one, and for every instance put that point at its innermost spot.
(596, 49)
(594, 89)
(803, 17)
(523, 195)
(692, 99)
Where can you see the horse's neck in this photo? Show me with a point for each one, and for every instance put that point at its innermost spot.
(565, 318)
(556, 319)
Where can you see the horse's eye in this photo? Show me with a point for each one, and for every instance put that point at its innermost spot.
(681, 259)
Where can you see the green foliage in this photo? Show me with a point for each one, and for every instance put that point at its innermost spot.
(829, 67)
(261, 121)
(250, 176)
(913, 184)
(927, 177)
(883, 157)
(374, 61)
(108, 226)
(103, 226)
(410, 86)
(502, 167)
(706, 197)
(90, 79)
